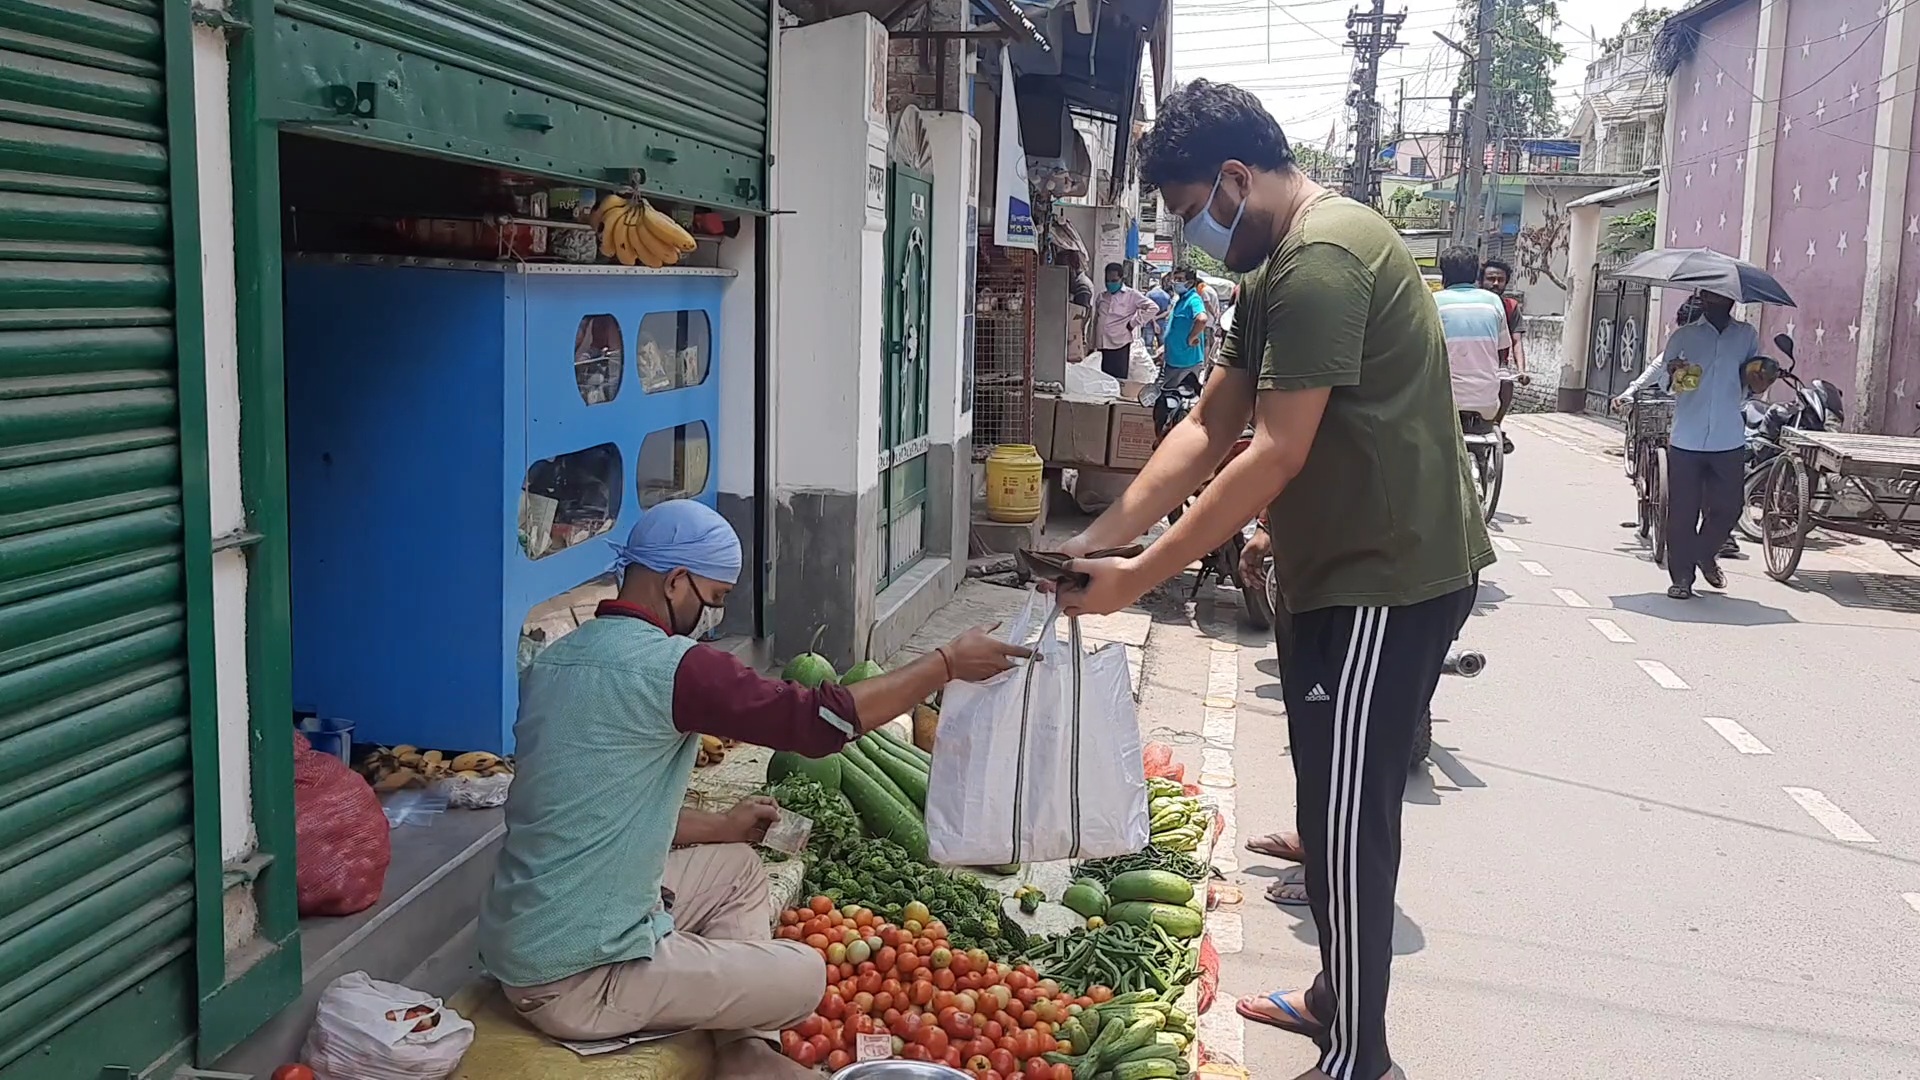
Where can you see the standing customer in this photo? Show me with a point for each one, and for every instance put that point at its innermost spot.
(1186, 326)
(1118, 314)
(1337, 356)
(1707, 451)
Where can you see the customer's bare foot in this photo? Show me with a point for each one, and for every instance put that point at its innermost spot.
(752, 1059)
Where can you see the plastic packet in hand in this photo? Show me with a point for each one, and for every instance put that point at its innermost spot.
(789, 833)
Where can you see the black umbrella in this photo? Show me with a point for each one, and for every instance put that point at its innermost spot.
(1708, 270)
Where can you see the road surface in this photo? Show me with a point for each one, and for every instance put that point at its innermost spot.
(1657, 839)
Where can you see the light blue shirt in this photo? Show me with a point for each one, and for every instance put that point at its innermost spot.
(1707, 420)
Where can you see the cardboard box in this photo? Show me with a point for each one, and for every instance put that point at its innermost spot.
(1130, 436)
(1043, 406)
(1080, 431)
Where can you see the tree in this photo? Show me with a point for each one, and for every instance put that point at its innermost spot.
(1630, 234)
(1524, 56)
(1539, 247)
(1644, 21)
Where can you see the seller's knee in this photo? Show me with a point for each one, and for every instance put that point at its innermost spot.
(793, 979)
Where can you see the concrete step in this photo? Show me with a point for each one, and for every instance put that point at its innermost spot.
(422, 928)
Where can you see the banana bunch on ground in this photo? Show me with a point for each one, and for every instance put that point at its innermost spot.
(398, 767)
(713, 751)
(632, 231)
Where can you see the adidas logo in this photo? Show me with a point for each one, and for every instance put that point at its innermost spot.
(1318, 693)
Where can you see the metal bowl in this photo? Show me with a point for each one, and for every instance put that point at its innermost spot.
(899, 1070)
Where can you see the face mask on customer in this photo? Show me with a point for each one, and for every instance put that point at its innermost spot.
(1209, 235)
(1113, 286)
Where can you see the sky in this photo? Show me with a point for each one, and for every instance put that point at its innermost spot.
(1289, 53)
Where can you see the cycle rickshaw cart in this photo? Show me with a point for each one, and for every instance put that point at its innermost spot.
(1649, 422)
(1856, 485)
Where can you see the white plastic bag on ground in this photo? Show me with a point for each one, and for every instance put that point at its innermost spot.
(1085, 379)
(1041, 762)
(372, 1030)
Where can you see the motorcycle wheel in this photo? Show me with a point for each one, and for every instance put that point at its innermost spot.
(1253, 601)
(1753, 506)
(1422, 741)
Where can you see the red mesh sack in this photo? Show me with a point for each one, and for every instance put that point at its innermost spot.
(1209, 973)
(341, 835)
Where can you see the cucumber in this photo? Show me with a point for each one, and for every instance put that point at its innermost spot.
(879, 744)
(856, 757)
(912, 751)
(881, 814)
(1150, 1069)
(1176, 920)
(1155, 1050)
(1085, 899)
(825, 771)
(907, 778)
(1161, 885)
(1138, 1034)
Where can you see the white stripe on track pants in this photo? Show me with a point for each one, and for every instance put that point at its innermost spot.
(1356, 684)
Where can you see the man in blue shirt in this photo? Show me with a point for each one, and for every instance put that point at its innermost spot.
(1707, 451)
(1186, 326)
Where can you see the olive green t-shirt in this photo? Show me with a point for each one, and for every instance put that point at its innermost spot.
(1383, 513)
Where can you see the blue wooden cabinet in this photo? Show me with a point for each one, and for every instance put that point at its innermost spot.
(462, 439)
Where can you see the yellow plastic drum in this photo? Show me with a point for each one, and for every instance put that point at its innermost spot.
(1013, 483)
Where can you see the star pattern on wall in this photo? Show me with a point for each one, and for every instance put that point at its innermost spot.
(1696, 226)
(1749, 63)
(1713, 167)
(1696, 86)
(1683, 135)
(1791, 327)
(1853, 94)
(1796, 193)
(1723, 219)
(1913, 225)
(1853, 331)
(1810, 250)
(1864, 173)
(1777, 260)
(1689, 179)
(1820, 111)
(1720, 77)
(1704, 128)
(1843, 32)
(1673, 236)
(1739, 163)
(1842, 245)
(1786, 123)
(1833, 184)
(1729, 117)
(1806, 45)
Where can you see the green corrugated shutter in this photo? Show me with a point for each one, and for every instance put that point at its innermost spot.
(582, 88)
(96, 838)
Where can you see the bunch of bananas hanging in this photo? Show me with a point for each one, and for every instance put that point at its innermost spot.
(632, 231)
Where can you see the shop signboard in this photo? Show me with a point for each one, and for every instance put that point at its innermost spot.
(1161, 254)
(1013, 218)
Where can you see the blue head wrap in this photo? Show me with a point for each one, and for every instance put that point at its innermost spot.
(681, 533)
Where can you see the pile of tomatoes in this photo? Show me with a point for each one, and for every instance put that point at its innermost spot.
(957, 1007)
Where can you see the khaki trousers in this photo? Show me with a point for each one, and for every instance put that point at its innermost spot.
(720, 970)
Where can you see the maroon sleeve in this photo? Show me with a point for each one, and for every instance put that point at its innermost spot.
(715, 694)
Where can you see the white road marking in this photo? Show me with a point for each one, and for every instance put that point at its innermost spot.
(1226, 846)
(1505, 544)
(1223, 676)
(1571, 598)
(1216, 768)
(1740, 737)
(1912, 899)
(1535, 568)
(1662, 674)
(1832, 818)
(1611, 631)
(1218, 728)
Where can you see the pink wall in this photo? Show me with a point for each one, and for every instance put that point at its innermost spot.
(1822, 178)
(1903, 377)
(1706, 171)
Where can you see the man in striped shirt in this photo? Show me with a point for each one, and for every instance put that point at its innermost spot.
(1478, 341)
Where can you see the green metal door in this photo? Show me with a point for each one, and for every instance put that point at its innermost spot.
(906, 372)
(97, 811)
(591, 89)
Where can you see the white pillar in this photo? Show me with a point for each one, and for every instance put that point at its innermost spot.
(829, 263)
(1756, 215)
(955, 140)
(1583, 251)
(1886, 215)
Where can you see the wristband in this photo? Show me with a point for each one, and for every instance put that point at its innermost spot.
(945, 659)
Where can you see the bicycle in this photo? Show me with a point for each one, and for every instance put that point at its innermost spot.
(1649, 423)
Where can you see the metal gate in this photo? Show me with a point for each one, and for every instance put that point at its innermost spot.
(102, 503)
(1617, 343)
(905, 373)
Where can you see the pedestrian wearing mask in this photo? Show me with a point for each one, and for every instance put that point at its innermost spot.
(1118, 314)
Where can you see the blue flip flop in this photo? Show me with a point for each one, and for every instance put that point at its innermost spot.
(1295, 1022)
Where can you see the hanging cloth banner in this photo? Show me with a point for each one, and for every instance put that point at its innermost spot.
(1013, 218)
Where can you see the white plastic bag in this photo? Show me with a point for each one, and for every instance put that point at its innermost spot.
(1042, 762)
(363, 1032)
(1085, 379)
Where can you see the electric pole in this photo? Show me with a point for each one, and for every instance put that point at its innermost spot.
(1370, 34)
(1472, 210)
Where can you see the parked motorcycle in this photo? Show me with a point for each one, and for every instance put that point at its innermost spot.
(1170, 405)
(1814, 406)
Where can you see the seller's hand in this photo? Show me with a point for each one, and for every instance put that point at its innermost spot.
(977, 655)
(748, 821)
(1115, 584)
(1253, 559)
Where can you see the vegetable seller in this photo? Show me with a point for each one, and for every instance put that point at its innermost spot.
(1338, 357)
(614, 909)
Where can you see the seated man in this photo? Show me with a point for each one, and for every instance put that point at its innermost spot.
(614, 909)
(1478, 341)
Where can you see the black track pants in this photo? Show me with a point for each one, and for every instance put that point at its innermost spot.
(1357, 683)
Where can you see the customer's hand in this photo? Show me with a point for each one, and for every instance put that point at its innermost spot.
(1253, 559)
(748, 821)
(1113, 584)
(1080, 545)
(977, 655)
